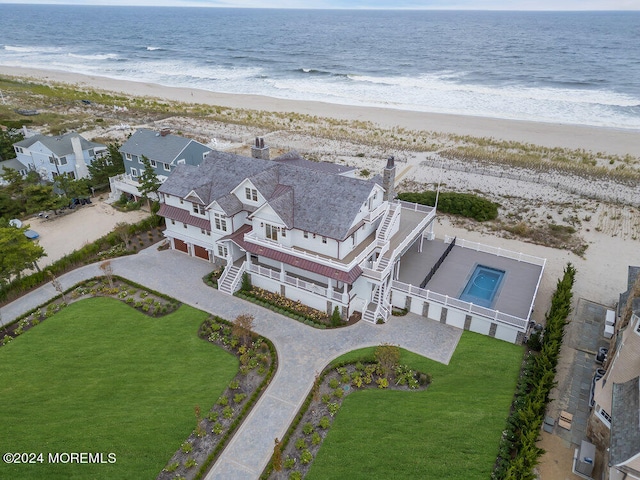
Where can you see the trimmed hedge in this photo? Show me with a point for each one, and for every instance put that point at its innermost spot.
(464, 204)
(518, 453)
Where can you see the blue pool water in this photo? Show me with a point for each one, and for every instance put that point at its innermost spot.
(482, 286)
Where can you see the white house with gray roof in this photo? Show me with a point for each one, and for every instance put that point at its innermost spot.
(315, 233)
(164, 150)
(51, 156)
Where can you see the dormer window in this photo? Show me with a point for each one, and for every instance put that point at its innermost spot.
(127, 156)
(251, 194)
(197, 208)
(19, 150)
(153, 163)
(166, 166)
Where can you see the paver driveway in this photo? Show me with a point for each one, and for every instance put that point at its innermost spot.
(303, 351)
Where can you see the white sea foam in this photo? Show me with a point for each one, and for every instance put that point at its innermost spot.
(99, 56)
(151, 49)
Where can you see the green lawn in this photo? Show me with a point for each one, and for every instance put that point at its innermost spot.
(451, 430)
(101, 377)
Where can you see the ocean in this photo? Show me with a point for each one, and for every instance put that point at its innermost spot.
(561, 67)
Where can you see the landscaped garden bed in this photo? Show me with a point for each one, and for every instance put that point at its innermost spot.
(118, 326)
(450, 430)
(293, 456)
(215, 427)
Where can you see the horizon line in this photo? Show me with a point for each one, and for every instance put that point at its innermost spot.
(364, 8)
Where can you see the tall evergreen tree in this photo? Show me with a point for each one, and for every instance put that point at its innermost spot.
(108, 166)
(148, 181)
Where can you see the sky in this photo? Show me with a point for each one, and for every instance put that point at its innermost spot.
(369, 4)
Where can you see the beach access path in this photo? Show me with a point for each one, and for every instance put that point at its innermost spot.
(302, 351)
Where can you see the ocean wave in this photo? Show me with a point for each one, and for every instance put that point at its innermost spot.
(97, 56)
(153, 49)
(34, 49)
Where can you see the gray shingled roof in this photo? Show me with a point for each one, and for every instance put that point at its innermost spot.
(318, 203)
(294, 158)
(625, 423)
(154, 146)
(13, 163)
(60, 145)
(632, 274)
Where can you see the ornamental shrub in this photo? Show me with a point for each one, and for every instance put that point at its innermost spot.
(465, 204)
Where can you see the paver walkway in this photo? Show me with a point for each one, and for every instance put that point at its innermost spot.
(302, 351)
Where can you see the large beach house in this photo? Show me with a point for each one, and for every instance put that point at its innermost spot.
(163, 149)
(313, 232)
(51, 156)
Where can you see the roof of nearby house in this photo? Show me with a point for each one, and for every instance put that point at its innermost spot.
(294, 158)
(59, 145)
(304, 198)
(155, 146)
(632, 275)
(13, 163)
(625, 423)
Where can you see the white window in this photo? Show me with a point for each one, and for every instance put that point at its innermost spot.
(182, 161)
(305, 234)
(220, 222)
(184, 225)
(134, 172)
(153, 163)
(251, 194)
(19, 150)
(127, 156)
(173, 222)
(139, 159)
(166, 166)
(203, 231)
(91, 152)
(52, 160)
(222, 251)
(271, 232)
(63, 161)
(198, 209)
(283, 232)
(324, 239)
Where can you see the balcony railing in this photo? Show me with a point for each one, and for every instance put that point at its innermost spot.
(299, 283)
(447, 301)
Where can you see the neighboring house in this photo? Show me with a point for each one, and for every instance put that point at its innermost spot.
(51, 156)
(14, 164)
(313, 232)
(164, 151)
(614, 422)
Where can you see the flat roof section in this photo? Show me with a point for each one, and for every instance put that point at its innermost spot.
(516, 292)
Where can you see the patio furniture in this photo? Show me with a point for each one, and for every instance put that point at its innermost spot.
(565, 420)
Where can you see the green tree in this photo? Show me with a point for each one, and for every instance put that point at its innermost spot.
(16, 184)
(110, 165)
(18, 252)
(41, 198)
(148, 181)
(71, 187)
(7, 139)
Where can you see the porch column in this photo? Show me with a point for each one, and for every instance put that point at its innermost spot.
(330, 287)
(397, 273)
(282, 274)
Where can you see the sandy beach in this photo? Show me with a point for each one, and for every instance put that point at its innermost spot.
(605, 215)
(615, 141)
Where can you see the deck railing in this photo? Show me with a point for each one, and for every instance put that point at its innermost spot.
(447, 301)
(500, 252)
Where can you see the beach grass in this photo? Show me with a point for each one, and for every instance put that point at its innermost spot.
(101, 377)
(62, 98)
(451, 430)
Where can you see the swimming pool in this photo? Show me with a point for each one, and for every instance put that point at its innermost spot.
(483, 285)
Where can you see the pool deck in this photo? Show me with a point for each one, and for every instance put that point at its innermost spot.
(516, 291)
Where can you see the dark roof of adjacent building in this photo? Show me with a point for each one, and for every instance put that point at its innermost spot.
(60, 145)
(625, 422)
(633, 273)
(153, 145)
(304, 198)
(294, 158)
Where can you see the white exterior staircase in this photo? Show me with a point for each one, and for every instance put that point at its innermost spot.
(230, 278)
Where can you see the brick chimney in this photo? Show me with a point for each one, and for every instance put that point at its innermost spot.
(260, 150)
(389, 179)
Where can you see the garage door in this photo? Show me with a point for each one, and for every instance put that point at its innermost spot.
(201, 252)
(180, 245)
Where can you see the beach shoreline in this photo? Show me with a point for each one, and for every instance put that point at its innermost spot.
(596, 139)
